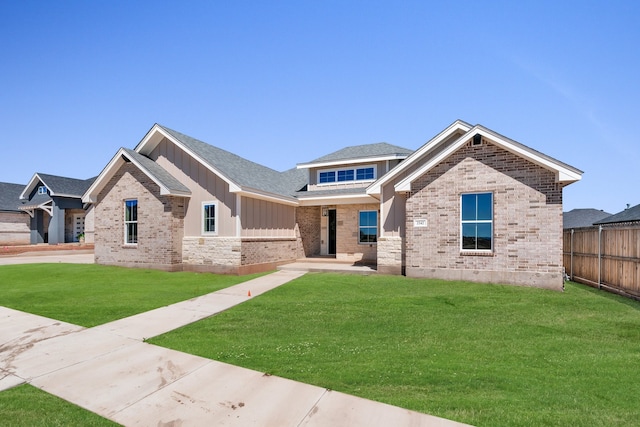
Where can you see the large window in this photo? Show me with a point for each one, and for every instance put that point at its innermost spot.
(365, 173)
(477, 222)
(209, 218)
(131, 222)
(368, 227)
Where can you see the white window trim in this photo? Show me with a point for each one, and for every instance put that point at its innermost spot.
(377, 227)
(42, 189)
(484, 221)
(126, 223)
(352, 168)
(202, 219)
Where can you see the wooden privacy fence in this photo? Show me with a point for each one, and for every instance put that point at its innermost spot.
(605, 257)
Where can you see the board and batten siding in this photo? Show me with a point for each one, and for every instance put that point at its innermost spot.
(205, 186)
(261, 218)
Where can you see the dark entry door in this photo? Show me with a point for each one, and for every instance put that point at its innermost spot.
(332, 231)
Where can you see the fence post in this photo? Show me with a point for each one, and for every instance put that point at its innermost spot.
(599, 255)
(572, 230)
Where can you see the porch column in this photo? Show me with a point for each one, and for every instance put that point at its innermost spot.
(37, 227)
(56, 225)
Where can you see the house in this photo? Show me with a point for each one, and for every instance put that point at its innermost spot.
(470, 204)
(631, 215)
(578, 218)
(55, 206)
(14, 223)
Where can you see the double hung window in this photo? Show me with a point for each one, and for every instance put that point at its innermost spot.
(368, 227)
(209, 225)
(477, 221)
(131, 222)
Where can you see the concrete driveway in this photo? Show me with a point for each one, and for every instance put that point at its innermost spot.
(71, 257)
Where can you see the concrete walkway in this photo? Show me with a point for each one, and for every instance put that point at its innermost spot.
(110, 370)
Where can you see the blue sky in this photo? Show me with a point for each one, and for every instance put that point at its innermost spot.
(282, 82)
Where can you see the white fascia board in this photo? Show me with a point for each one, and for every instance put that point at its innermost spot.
(30, 186)
(349, 161)
(257, 194)
(563, 174)
(337, 200)
(107, 173)
(155, 136)
(434, 142)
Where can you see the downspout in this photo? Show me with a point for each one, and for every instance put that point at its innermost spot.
(599, 256)
(571, 267)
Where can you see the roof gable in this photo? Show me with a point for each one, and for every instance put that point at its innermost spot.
(359, 154)
(169, 185)
(242, 175)
(564, 173)
(57, 185)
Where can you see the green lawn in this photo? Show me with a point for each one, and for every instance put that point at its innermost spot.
(481, 354)
(27, 406)
(90, 295)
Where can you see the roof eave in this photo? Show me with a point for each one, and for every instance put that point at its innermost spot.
(564, 173)
(459, 125)
(31, 186)
(351, 161)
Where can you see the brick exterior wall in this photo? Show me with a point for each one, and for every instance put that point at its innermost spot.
(527, 222)
(15, 228)
(308, 220)
(160, 223)
(347, 246)
(276, 250)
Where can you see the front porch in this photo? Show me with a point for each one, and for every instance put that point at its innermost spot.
(329, 264)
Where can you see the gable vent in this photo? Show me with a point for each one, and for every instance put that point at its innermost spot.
(477, 139)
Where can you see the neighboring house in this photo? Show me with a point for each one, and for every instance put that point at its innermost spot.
(630, 215)
(55, 206)
(469, 204)
(578, 218)
(14, 224)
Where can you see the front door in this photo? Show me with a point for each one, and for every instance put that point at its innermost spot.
(78, 226)
(332, 232)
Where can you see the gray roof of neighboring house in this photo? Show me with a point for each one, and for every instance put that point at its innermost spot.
(379, 149)
(577, 218)
(631, 214)
(60, 185)
(241, 171)
(164, 177)
(10, 196)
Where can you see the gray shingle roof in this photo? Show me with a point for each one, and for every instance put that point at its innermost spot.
(243, 172)
(628, 215)
(577, 218)
(10, 196)
(67, 186)
(357, 191)
(160, 174)
(354, 152)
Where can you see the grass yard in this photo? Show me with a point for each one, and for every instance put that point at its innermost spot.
(481, 354)
(90, 295)
(27, 406)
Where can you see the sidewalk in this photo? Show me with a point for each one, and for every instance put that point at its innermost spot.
(110, 370)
